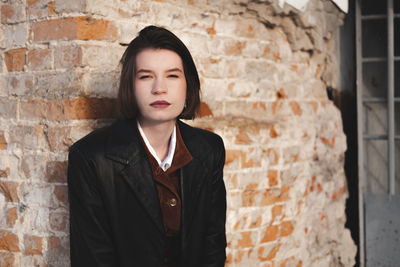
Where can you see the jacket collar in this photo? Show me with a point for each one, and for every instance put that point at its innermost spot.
(125, 147)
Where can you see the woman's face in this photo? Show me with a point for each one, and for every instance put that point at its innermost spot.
(159, 86)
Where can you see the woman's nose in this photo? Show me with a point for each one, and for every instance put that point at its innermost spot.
(159, 87)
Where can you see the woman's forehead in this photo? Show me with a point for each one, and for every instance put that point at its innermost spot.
(158, 59)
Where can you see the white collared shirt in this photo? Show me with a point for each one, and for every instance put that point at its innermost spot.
(166, 163)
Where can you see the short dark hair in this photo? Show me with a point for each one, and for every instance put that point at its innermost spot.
(154, 37)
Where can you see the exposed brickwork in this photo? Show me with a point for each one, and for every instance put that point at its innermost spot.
(264, 70)
(15, 59)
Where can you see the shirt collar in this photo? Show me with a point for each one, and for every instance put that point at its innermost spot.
(166, 163)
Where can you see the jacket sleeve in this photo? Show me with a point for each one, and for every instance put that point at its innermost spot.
(215, 240)
(90, 238)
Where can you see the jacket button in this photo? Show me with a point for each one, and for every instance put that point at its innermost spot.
(172, 202)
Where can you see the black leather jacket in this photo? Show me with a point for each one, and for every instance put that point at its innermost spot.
(115, 216)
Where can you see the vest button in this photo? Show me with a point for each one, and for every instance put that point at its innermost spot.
(172, 202)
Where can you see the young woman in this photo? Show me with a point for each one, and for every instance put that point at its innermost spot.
(148, 190)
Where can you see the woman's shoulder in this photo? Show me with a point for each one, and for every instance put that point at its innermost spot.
(203, 138)
(96, 141)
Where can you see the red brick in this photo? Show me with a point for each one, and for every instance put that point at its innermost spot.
(271, 254)
(271, 233)
(56, 29)
(67, 57)
(12, 13)
(245, 241)
(7, 259)
(81, 28)
(8, 241)
(56, 171)
(242, 138)
(33, 245)
(39, 8)
(39, 59)
(12, 216)
(249, 195)
(9, 190)
(3, 142)
(286, 228)
(7, 12)
(15, 59)
(89, 108)
(42, 109)
(272, 177)
(233, 155)
(61, 193)
(275, 212)
(296, 109)
(95, 29)
(204, 110)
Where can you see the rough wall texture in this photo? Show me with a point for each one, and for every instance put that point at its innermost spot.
(264, 72)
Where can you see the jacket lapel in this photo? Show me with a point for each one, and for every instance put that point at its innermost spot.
(126, 148)
(193, 175)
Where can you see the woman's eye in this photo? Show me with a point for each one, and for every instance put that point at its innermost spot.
(142, 77)
(173, 76)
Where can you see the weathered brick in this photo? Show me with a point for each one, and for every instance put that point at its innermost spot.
(56, 171)
(272, 177)
(15, 59)
(28, 137)
(58, 220)
(61, 194)
(20, 84)
(286, 228)
(3, 142)
(267, 253)
(9, 191)
(109, 60)
(271, 233)
(234, 48)
(12, 217)
(12, 13)
(15, 35)
(58, 250)
(9, 241)
(67, 57)
(7, 259)
(70, 6)
(103, 83)
(40, 8)
(33, 245)
(81, 28)
(89, 108)
(33, 166)
(42, 109)
(59, 138)
(39, 59)
(56, 85)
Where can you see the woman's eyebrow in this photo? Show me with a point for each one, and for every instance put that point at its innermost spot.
(174, 69)
(143, 70)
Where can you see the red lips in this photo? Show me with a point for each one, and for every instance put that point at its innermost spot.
(160, 104)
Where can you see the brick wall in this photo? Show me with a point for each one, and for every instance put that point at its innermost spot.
(264, 71)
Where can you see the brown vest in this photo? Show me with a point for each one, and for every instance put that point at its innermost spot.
(168, 188)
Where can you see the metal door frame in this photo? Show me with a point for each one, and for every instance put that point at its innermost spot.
(390, 100)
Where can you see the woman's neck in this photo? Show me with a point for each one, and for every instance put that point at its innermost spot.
(158, 135)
